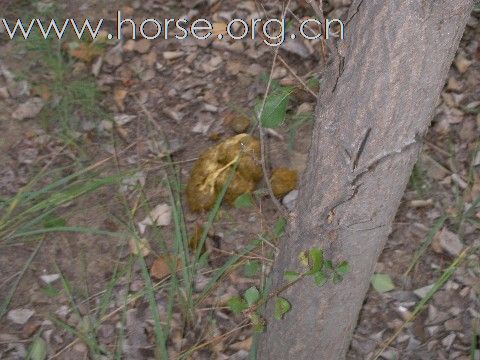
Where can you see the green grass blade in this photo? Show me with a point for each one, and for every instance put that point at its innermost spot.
(213, 214)
(94, 347)
(160, 338)
(13, 289)
(71, 229)
(181, 244)
(222, 270)
(426, 243)
(108, 294)
(88, 335)
(469, 212)
(421, 305)
(474, 344)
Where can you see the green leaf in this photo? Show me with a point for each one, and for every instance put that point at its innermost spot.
(237, 305)
(313, 82)
(274, 84)
(50, 291)
(38, 349)
(471, 110)
(315, 260)
(382, 283)
(244, 201)
(282, 306)
(343, 268)
(279, 227)
(258, 322)
(54, 223)
(291, 276)
(298, 121)
(203, 260)
(251, 268)
(328, 264)
(275, 108)
(337, 278)
(252, 295)
(320, 278)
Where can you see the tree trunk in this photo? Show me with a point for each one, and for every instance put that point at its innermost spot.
(369, 123)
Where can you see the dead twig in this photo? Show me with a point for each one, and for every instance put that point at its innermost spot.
(298, 78)
(263, 160)
(318, 8)
(213, 340)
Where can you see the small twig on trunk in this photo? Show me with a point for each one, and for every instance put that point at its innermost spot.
(274, 294)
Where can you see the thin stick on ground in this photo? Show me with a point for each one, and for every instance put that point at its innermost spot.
(217, 338)
(318, 8)
(8, 279)
(298, 78)
(4, 306)
(266, 176)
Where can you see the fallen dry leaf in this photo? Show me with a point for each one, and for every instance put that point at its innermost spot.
(29, 109)
(163, 265)
(85, 52)
(161, 215)
(172, 55)
(142, 46)
(50, 278)
(128, 183)
(195, 239)
(140, 246)
(20, 316)
(42, 90)
(119, 95)
(290, 200)
(238, 123)
(243, 345)
(447, 241)
(219, 28)
(454, 85)
(462, 64)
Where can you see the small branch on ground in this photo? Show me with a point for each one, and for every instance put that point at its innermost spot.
(263, 160)
(318, 8)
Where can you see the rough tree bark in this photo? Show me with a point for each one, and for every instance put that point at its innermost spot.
(377, 103)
